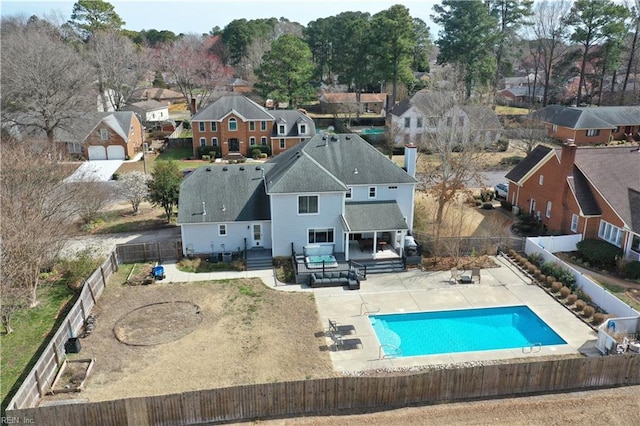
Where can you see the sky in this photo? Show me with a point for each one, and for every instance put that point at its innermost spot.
(200, 16)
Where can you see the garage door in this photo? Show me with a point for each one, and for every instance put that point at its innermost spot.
(115, 152)
(97, 153)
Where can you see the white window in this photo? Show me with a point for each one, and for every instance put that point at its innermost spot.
(214, 141)
(281, 129)
(201, 126)
(593, 132)
(610, 233)
(222, 230)
(252, 140)
(233, 124)
(104, 134)
(308, 204)
(635, 243)
(554, 127)
(372, 192)
(419, 122)
(283, 145)
(407, 122)
(548, 212)
(214, 126)
(321, 235)
(263, 140)
(574, 222)
(203, 142)
(540, 180)
(348, 194)
(303, 129)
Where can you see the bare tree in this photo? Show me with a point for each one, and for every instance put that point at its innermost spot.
(36, 213)
(528, 133)
(45, 83)
(133, 186)
(193, 67)
(119, 66)
(549, 32)
(90, 197)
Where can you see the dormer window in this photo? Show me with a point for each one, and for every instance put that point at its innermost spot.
(303, 129)
(233, 124)
(281, 129)
(104, 134)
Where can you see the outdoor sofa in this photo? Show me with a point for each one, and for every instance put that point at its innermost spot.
(335, 279)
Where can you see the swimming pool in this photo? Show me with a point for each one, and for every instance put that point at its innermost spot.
(467, 330)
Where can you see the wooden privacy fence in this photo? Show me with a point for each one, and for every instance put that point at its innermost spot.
(465, 246)
(323, 396)
(156, 251)
(43, 373)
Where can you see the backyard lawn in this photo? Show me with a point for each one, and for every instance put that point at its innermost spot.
(31, 328)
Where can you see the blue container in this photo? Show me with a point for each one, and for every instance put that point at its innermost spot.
(158, 272)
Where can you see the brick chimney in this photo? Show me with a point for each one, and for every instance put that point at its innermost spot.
(194, 105)
(568, 157)
(410, 158)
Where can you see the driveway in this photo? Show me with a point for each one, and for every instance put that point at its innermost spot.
(96, 170)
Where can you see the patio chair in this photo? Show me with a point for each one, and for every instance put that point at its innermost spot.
(475, 272)
(455, 275)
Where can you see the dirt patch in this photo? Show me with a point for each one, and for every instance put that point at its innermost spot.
(158, 323)
(249, 334)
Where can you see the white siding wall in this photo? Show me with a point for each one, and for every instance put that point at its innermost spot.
(288, 226)
(403, 195)
(412, 131)
(200, 237)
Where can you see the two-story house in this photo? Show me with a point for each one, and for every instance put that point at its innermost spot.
(432, 114)
(348, 103)
(593, 191)
(590, 125)
(234, 123)
(332, 190)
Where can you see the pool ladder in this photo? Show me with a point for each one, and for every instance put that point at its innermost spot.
(533, 348)
(365, 308)
(382, 355)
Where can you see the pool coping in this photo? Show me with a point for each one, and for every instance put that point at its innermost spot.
(420, 291)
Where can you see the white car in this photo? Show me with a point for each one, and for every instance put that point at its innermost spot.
(502, 189)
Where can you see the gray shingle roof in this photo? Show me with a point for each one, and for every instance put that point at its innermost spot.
(150, 105)
(615, 173)
(238, 103)
(329, 163)
(291, 119)
(373, 216)
(231, 193)
(529, 162)
(584, 196)
(608, 117)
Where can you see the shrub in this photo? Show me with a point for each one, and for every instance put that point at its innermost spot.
(506, 205)
(255, 153)
(536, 259)
(502, 145)
(597, 319)
(571, 299)
(580, 305)
(583, 296)
(487, 206)
(512, 252)
(531, 268)
(556, 286)
(212, 151)
(263, 155)
(545, 283)
(588, 311)
(632, 270)
(265, 149)
(206, 157)
(563, 275)
(550, 278)
(598, 252)
(565, 292)
(511, 161)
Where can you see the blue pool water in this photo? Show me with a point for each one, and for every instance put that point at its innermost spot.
(468, 330)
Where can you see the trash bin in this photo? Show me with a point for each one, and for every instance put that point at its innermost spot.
(72, 346)
(226, 257)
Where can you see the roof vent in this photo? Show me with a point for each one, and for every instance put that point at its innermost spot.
(225, 168)
(241, 167)
(348, 137)
(258, 168)
(334, 138)
(324, 138)
(208, 169)
(355, 171)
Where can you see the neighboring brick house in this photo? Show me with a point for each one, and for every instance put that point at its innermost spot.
(331, 103)
(113, 136)
(233, 124)
(590, 125)
(593, 191)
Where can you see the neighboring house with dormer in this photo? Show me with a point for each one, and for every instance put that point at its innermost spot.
(590, 125)
(429, 114)
(113, 136)
(150, 111)
(347, 103)
(233, 124)
(332, 190)
(593, 191)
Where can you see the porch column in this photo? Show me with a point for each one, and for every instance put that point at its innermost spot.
(346, 245)
(375, 243)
